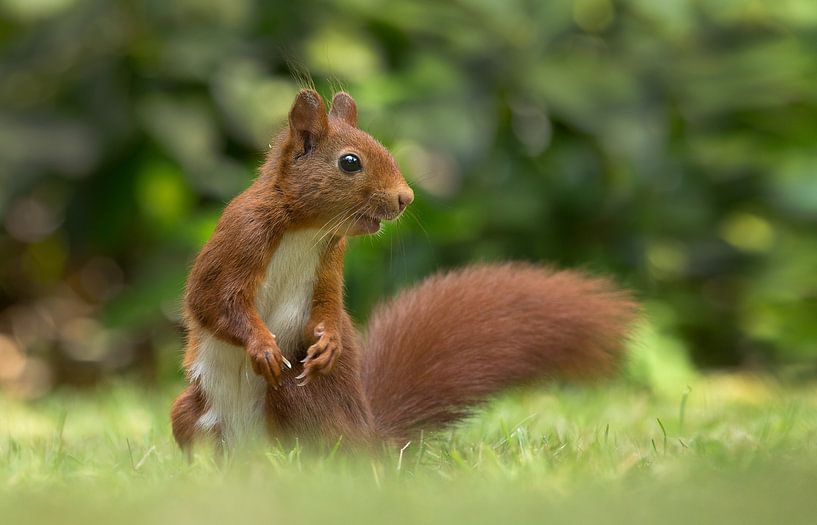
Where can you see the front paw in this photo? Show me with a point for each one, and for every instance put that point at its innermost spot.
(266, 359)
(322, 356)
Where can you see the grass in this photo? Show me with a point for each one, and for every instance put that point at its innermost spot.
(730, 449)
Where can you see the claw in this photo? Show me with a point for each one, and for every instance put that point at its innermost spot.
(303, 375)
(320, 329)
(286, 362)
(304, 382)
(305, 359)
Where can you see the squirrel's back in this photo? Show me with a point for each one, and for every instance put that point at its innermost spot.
(437, 350)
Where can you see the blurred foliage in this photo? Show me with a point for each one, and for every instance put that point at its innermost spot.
(670, 143)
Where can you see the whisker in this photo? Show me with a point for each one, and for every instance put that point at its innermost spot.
(420, 224)
(334, 222)
(356, 210)
(423, 177)
(339, 223)
(402, 250)
(327, 226)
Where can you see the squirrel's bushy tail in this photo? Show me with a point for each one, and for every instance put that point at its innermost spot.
(436, 351)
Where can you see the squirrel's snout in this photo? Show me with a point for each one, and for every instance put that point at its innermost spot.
(397, 202)
(390, 204)
(404, 198)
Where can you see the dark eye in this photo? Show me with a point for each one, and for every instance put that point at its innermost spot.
(349, 163)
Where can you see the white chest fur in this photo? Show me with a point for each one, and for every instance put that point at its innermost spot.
(235, 395)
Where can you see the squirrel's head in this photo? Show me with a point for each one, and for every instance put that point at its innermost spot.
(338, 176)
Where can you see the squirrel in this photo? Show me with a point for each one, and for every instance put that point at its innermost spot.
(271, 350)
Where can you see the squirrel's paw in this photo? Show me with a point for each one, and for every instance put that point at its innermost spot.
(266, 359)
(320, 357)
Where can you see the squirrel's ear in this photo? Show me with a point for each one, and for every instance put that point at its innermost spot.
(344, 108)
(307, 119)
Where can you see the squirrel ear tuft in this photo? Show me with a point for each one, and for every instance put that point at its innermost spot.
(307, 119)
(344, 108)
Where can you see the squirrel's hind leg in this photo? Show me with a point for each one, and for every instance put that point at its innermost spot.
(328, 409)
(185, 414)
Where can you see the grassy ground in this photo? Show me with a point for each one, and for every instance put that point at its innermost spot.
(731, 449)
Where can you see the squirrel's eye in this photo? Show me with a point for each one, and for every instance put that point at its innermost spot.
(349, 163)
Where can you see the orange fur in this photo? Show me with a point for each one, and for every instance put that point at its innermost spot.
(438, 350)
(432, 353)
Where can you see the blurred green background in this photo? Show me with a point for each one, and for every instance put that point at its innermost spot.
(670, 144)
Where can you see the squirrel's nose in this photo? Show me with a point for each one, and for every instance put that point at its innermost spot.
(404, 198)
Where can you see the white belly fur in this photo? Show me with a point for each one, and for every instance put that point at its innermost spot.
(234, 393)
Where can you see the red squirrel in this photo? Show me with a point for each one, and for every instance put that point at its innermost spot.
(271, 350)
